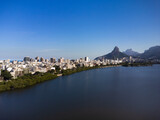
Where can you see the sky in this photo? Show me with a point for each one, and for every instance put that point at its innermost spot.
(76, 28)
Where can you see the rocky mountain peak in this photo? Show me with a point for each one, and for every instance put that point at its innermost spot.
(115, 50)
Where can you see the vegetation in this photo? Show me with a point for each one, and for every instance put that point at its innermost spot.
(6, 75)
(136, 64)
(26, 80)
(79, 69)
(32, 79)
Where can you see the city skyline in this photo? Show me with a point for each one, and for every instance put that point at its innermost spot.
(56, 58)
(75, 29)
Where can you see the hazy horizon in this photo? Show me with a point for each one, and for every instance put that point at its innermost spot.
(68, 57)
(75, 29)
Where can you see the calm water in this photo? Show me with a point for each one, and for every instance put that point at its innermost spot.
(122, 93)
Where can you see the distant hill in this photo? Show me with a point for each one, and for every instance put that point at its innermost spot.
(151, 53)
(130, 52)
(113, 55)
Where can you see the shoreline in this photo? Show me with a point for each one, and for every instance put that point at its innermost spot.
(136, 64)
(31, 80)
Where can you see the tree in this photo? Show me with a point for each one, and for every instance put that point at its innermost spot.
(57, 68)
(51, 71)
(6, 75)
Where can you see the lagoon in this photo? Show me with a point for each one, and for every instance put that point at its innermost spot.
(126, 93)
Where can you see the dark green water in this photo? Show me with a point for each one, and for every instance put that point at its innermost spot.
(121, 93)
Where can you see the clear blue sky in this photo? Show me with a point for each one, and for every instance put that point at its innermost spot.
(76, 28)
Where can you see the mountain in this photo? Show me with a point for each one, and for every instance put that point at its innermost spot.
(130, 52)
(151, 53)
(113, 55)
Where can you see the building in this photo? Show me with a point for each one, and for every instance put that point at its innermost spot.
(37, 58)
(52, 60)
(61, 60)
(86, 59)
(81, 60)
(15, 62)
(32, 60)
(42, 59)
(46, 60)
(27, 59)
(7, 61)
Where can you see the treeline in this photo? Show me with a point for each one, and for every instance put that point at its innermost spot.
(26, 80)
(75, 70)
(79, 69)
(32, 79)
(6, 75)
(137, 64)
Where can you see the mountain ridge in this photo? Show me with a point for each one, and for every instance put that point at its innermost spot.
(112, 55)
(130, 52)
(151, 53)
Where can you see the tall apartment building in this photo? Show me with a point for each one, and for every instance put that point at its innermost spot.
(61, 60)
(37, 58)
(86, 59)
(26, 59)
(42, 59)
(52, 60)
